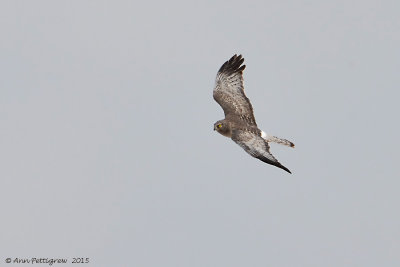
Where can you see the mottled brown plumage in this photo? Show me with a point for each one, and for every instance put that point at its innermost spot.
(239, 123)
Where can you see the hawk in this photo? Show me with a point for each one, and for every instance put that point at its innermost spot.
(239, 123)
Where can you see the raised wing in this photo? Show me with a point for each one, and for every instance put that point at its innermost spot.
(256, 146)
(229, 91)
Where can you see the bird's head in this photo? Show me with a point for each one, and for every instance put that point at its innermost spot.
(223, 128)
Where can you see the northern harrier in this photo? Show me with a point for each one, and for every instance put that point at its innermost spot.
(239, 123)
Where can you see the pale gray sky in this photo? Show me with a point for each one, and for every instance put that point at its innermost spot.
(107, 147)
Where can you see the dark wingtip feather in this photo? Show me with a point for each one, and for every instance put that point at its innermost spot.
(283, 168)
(275, 163)
(233, 65)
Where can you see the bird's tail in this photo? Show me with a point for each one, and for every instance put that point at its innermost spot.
(274, 139)
(282, 141)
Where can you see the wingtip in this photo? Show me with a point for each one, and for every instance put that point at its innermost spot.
(234, 64)
(277, 164)
(284, 168)
(274, 163)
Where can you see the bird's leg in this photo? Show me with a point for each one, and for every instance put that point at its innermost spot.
(274, 139)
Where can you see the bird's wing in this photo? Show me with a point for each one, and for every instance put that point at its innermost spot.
(229, 91)
(256, 146)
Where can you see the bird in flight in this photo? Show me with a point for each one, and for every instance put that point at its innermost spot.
(239, 123)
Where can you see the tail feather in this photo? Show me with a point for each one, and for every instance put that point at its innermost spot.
(274, 139)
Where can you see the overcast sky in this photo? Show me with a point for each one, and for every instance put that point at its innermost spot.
(107, 146)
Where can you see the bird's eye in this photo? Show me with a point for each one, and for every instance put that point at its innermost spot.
(219, 125)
